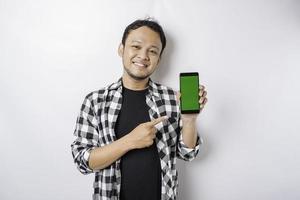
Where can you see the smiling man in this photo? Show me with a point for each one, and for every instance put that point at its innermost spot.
(130, 132)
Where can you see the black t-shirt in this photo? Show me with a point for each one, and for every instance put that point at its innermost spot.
(140, 168)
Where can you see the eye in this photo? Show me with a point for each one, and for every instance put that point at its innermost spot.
(135, 47)
(153, 52)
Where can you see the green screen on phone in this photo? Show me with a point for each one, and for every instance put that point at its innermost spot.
(189, 89)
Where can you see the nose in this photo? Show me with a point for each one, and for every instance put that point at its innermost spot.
(143, 55)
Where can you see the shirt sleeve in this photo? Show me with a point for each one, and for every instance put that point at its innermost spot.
(86, 136)
(183, 151)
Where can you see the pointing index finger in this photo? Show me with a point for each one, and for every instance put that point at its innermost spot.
(157, 120)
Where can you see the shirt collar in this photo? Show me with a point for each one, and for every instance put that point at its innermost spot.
(152, 87)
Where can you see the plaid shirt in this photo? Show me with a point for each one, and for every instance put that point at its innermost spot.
(95, 128)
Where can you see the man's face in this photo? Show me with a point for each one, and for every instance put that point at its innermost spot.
(141, 53)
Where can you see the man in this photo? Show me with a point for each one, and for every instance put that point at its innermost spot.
(130, 132)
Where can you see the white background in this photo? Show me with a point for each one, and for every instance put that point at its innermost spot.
(52, 53)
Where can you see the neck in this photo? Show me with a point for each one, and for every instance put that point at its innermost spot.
(134, 84)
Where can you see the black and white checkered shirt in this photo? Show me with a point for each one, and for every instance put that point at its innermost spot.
(95, 128)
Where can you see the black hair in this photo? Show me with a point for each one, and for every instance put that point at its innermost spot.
(150, 23)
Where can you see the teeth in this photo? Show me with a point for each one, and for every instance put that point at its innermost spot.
(139, 64)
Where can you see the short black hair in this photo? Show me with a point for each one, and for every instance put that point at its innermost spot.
(150, 23)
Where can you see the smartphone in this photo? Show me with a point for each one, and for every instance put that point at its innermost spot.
(189, 89)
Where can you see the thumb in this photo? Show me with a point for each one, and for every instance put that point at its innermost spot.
(178, 94)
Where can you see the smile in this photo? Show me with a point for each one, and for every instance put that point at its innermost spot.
(140, 64)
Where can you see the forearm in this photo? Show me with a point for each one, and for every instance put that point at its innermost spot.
(189, 132)
(102, 157)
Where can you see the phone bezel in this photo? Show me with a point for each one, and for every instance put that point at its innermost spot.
(189, 74)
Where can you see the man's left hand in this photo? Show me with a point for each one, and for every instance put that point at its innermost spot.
(202, 102)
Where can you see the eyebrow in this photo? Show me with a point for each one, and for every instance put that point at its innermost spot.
(138, 41)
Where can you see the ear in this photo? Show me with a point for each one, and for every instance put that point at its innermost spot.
(121, 50)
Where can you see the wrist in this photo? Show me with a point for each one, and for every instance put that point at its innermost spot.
(128, 142)
(189, 121)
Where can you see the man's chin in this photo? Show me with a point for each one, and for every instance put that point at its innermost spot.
(138, 77)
